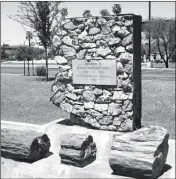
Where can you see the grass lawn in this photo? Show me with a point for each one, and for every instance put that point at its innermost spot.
(162, 65)
(26, 99)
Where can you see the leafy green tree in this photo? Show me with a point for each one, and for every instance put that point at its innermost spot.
(116, 9)
(40, 16)
(87, 14)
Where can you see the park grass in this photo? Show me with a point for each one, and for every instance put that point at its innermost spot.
(27, 99)
(162, 65)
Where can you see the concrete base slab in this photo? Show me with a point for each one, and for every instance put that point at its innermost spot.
(51, 166)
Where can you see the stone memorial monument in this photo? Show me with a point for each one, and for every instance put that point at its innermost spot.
(99, 71)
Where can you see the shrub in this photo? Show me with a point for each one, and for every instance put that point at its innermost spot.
(40, 71)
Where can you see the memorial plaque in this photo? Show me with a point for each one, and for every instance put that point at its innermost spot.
(94, 72)
(21, 173)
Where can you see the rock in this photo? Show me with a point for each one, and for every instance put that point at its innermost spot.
(114, 109)
(103, 127)
(101, 43)
(111, 57)
(126, 126)
(60, 60)
(56, 41)
(119, 95)
(77, 149)
(70, 87)
(140, 154)
(126, 86)
(106, 93)
(103, 99)
(127, 105)
(128, 68)
(78, 110)
(111, 40)
(95, 113)
(78, 31)
(67, 40)
(119, 67)
(112, 128)
(88, 58)
(119, 50)
(111, 22)
(78, 91)
(60, 86)
(116, 122)
(127, 40)
(129, 114)
(81, 54)
(62, 76)
(63, 68)
(81, 27)
(58, 99)
(103, 51)
(128, 23)
(105, 29)
(71, 96)
(96, 125)
(115, 28)
(94, 31)
(98, 37)
(70, 73)
(88, 45)
(123, 32)
(101, 107)
(123, 76)
(82, 35)
(70, 26)
(129, 48)
(106, 120)
(88, 96)
(66, 107)
(125, 57)
(101, 21)
(68, 51)
(54, 88)
(89, 105)
(130, 96)
(89, 119)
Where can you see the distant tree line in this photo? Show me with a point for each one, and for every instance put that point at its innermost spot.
(163, 42)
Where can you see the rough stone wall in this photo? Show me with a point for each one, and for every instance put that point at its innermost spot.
(97, 38)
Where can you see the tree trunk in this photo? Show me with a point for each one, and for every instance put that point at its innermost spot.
(140, 154)
(32, 67)
(28, 67)
(166, 63)
(24, 67)
(77, 149)
(24, 145)
(46, 63)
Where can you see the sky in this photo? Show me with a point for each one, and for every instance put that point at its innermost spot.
(13, 33)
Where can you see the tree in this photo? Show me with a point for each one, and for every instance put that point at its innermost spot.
(163, 34)
(105, 13)
(116, 9)
(40, 16)
(87, 14)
